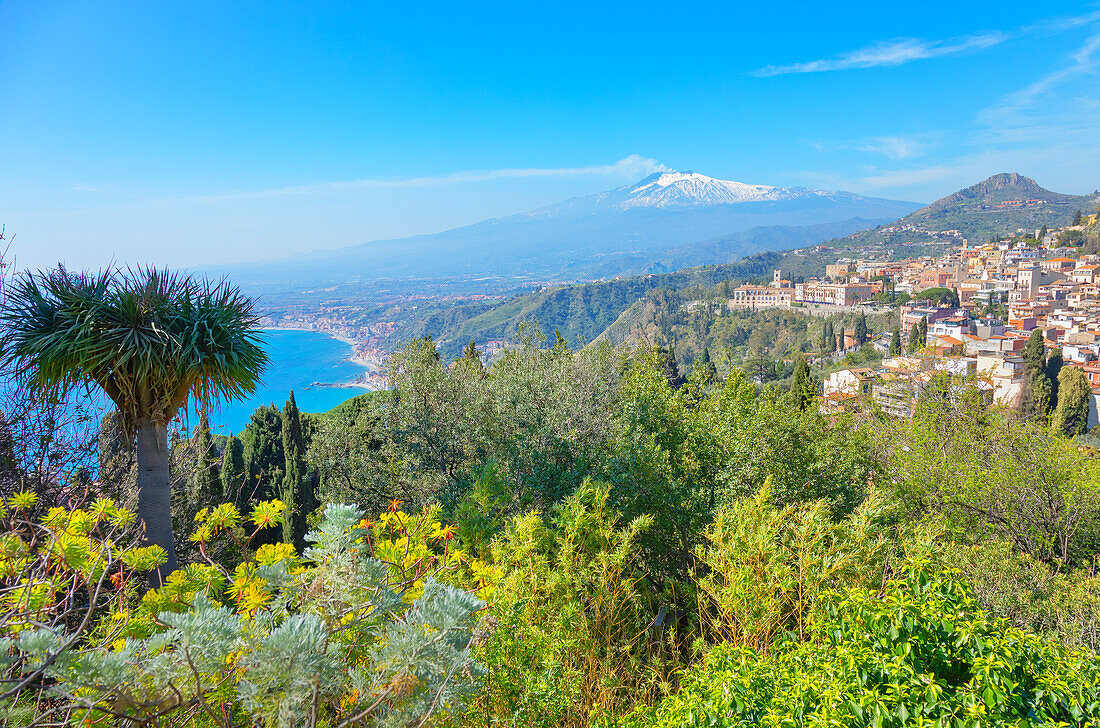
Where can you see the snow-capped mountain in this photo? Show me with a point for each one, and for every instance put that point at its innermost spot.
(670, 189)
(667, 189)
(667, 219)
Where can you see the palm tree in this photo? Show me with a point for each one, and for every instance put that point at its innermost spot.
(152, 340)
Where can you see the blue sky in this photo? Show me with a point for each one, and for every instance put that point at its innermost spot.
(208, 132)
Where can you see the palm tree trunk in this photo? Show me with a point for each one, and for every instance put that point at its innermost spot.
(154, 495)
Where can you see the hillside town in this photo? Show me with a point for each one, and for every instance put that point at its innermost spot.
(968, 313)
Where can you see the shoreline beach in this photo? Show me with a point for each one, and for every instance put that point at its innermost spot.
(354, 358)
(345, 385)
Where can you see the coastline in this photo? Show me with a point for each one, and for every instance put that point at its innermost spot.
(345, 385)
(318, 371)
(354, 358)
(350, 342)
(365, 363)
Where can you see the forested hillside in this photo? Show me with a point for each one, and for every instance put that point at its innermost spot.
(694, 324)
(586, 312)
(580, 312)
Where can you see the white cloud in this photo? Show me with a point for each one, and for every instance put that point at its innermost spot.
(1046, 129)
(890, 53)
(894, 147)
(903, 178)
(906, 50)
(1059, 24)
(632, 167)
(1035, 110)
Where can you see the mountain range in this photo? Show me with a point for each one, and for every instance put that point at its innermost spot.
(667, 220)
(584, 312)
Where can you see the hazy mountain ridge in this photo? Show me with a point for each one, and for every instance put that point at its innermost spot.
(586, 312)
(613, 233)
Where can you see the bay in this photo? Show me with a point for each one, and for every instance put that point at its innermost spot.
(302, 361)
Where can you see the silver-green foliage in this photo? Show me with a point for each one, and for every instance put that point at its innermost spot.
(337, 628)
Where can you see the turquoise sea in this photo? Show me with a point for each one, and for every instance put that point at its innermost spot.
(299, 361)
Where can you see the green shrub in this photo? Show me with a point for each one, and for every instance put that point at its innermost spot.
(920, 652)
(762, 569)
(987, 474)
(570, 638)
(1063, 605)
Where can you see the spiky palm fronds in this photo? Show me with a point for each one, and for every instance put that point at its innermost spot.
(151, 339)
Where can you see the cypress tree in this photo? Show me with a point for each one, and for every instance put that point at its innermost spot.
(895, 342)
(860, 331)
(298, 492)
(263, 454)
(1054, 370)
(205, 481)
(802, 384)
(914, 337)
(430, 341)
(560, 344)
(1071, 416)
(471, 356)
(1034, 353)
(1036, 402)
(922, 330)
(828, 337)
(672, 369)
(233, 473)
(709, 369)
(840, 339)
(1037, 397)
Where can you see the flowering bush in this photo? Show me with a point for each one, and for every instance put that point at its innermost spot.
(361, 628)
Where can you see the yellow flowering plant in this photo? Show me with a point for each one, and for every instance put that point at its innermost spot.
(71, 564)
(358, 627)
(413, 547)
